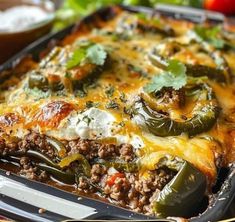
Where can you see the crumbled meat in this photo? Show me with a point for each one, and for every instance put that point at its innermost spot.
(86, 147)
(97, 171)
(37, 142)
(138, 192)
(119, 189)
(83, 184)
(127, 190)
(126, 151)
(106, 151)
(30, 171)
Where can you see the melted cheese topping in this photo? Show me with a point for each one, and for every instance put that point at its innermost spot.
(67, 116)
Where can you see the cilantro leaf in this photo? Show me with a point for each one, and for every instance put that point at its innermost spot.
(210, 35)
(174, 76)
(77, 57)
(176, 68)
(96, 54)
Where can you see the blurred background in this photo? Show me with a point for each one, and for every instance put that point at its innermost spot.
(70, 10)
(62, 13)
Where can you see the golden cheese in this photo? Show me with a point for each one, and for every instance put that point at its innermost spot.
(23, 109)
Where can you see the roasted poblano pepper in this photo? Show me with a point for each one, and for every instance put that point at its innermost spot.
(129, 167)
(160, 124)
(36, 80)
(183, 193)
(57, 145)
(40, 157)
(220, 74)
(65, 162)
(129, 24)
(71, 75)
(66, 177)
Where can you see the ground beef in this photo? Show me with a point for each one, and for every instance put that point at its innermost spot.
(128, 190)
(31, 171)
(136, 192)
(127, 152)
(37, 142)
(97, 171)
(107, 151)
(92, 149)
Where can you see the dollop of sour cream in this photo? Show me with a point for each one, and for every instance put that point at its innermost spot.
(94, 123)
(21, 17)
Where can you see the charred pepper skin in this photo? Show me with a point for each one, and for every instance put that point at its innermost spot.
(183, 193)
(123, 166)
(66, 177)
(73, 80)
(66, 161)
(221, 73)
(162, 125)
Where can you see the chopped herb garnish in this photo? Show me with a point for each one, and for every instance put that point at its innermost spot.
(77, 57)
(80, 93)
(146, 18)
(210, 35)
(174, 76)
(109, 91)
(37, 93)
(93, 53)
(123, 97)
(112, 105)
(68, 75)
(128, 110)
(87, 120)
(96, 54)
(90, 104)
(121, 124)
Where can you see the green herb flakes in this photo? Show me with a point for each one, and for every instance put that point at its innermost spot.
(96, 54)
(90, 104)
(77, 57)
(112, 105)
(174, 76)
(109, 91)
(93, 53)
(210, 35)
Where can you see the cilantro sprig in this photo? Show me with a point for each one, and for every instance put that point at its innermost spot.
(174, 76)
(210, 35)
(90, 53)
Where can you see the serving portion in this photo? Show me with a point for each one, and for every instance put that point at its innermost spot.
(136, 109)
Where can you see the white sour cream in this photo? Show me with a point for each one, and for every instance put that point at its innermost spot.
(21, 17)
(94, 123)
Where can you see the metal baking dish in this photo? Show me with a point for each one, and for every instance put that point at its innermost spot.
(25, 200)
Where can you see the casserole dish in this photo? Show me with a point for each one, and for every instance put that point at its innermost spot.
(199, 164)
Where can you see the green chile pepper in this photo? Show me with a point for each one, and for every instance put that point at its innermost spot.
(85, 75)
(57, 145)
(183, 193)
(65, 177)
(129, 167)
(66, 161)
(35, 154)
(128, 25)
(36, 80)
(221, 73)
(161, 124)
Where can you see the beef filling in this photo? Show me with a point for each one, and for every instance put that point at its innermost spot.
(127, 189)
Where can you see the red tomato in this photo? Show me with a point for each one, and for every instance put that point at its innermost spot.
(224, 6)
(111, 180)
